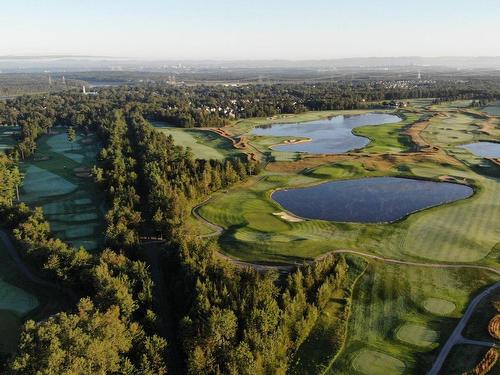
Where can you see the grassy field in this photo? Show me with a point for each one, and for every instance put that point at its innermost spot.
(21, 299)
(388, 138)
(390, 331)
(57, 179)
(204, 144)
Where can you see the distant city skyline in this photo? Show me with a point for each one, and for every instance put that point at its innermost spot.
(228, 30)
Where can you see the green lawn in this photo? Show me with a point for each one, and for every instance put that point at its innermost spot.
(203, 143)
(72, 204)
(388, 138)
(21, 299)
(390, 329)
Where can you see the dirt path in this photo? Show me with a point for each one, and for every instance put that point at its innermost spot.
(456, 336)
(26, 272)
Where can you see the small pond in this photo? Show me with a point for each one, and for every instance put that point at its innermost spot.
(493, 109)
(484, 149)
(368, 200)
(328, 136)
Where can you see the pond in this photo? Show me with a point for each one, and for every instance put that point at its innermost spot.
(484, 149)
(328, 136)
(368, 200)
(493, 109)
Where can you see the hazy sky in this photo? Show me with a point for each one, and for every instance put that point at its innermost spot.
(253, 29)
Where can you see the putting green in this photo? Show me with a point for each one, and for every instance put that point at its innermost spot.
(15, 299)
(439, 306)
(416, 334)
(371, 362)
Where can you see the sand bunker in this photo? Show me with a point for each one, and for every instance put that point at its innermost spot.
(288, 217)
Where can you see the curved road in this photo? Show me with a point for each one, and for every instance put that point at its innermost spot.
(456, 336)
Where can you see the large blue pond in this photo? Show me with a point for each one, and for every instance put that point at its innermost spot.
(368, 200)
(328, 136)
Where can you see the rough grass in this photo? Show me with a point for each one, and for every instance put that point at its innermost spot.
(72, 205)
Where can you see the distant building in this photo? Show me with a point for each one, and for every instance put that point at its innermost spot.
(84, 91)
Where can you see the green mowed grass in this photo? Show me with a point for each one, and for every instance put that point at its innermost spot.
(388, 138)
(203, 143)
(15, 299)
(20, 299)
(389, 324)
(7, 137)
(73, 205)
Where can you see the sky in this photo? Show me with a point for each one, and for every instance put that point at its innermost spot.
(254, 29)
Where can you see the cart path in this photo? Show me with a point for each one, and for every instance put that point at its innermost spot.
(456, 336)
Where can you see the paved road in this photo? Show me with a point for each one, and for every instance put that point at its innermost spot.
(9, 246)
(456, 336)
